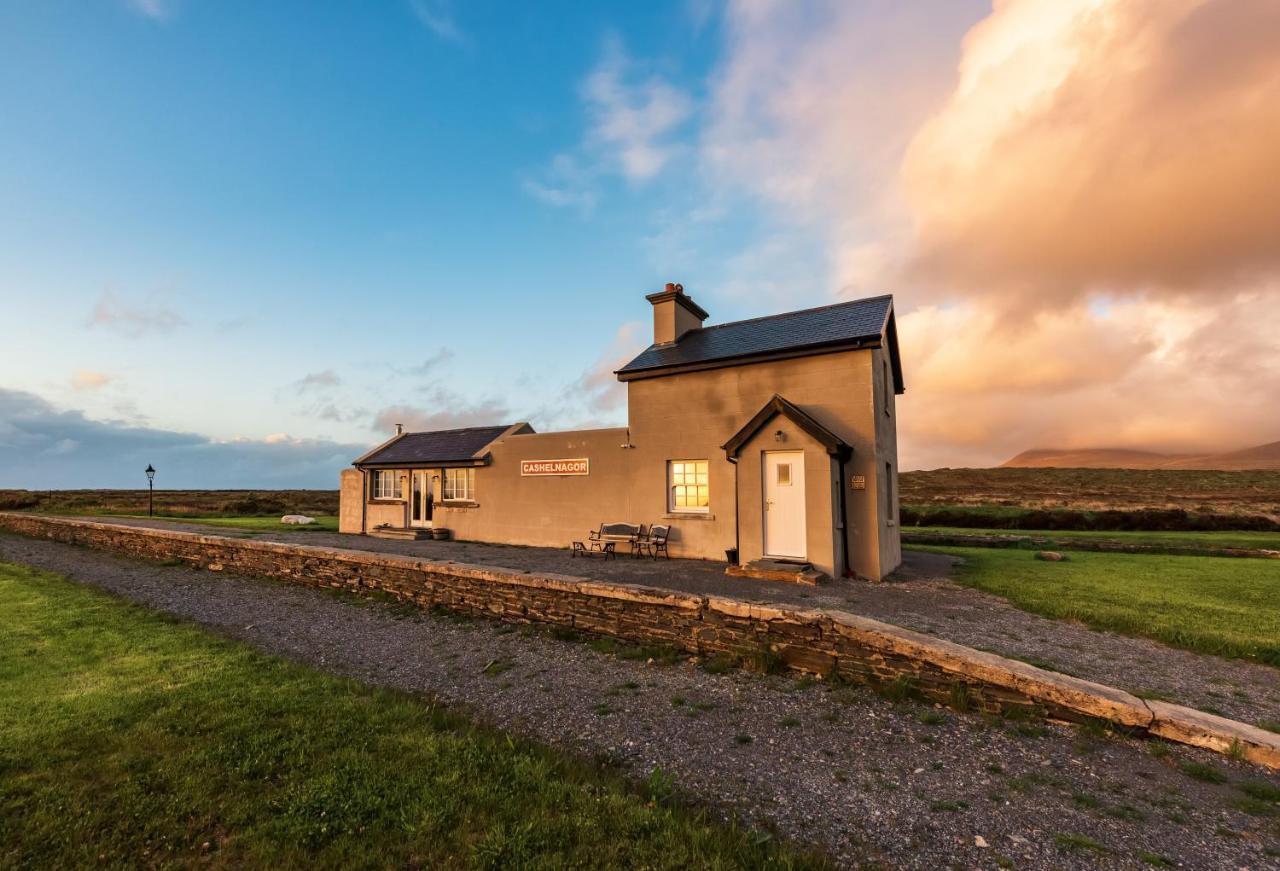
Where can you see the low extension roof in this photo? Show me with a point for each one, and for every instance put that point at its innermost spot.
(861, 323)
(442, 447)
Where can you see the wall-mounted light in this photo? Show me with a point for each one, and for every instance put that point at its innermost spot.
(779, 436)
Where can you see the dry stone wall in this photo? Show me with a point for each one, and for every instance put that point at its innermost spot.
(854, 648)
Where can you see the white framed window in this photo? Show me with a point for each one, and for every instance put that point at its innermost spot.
(687, 485)
(386, 484)
(459, 484)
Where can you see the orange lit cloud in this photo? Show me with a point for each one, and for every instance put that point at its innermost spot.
(1105, 143)
(1079, 215)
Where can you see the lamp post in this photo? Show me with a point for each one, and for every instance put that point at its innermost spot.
(151, 490)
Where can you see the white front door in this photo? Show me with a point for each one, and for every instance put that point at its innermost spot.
(418, 495)
(784, 522)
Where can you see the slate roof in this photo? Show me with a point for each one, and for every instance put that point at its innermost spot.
(844, 323)
(442, 446)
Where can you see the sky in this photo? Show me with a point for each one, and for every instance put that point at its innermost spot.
(240, 241)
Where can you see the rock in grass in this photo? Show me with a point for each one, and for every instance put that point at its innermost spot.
(297, 519)
(1051, 556)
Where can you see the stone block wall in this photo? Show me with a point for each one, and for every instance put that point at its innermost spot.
(854, 648)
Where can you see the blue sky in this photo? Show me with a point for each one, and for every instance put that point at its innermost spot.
(254, 228)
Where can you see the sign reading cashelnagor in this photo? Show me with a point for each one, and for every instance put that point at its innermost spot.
(580, 466)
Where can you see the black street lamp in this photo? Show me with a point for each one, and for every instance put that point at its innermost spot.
(151, 490)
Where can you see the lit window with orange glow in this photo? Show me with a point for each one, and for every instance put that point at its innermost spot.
(688, 485)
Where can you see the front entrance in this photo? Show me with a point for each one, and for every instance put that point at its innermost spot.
(784, 520)
(420, 500)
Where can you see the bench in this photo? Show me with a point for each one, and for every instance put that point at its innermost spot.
(606, 539)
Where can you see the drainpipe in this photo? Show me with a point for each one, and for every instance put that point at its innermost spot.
(737, 539)
(364, 502)
(844, 520)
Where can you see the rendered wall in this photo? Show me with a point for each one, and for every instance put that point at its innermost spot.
(350, 500)
(688, 417)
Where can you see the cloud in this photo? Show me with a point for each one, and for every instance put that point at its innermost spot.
(1076, 205)
(437, 16)
(1111, 143)
(633, 118)
(631, 121)
(566, 183)
(88, 379)
(43, 447)
(443, 409)
(431, 364)
(131, 321)
(317, 381)
(599, 388)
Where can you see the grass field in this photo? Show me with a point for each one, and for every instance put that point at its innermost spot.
(269, 523)
(998, 496)
(183, 503)
(1219, 605)
(1191, 539)
(130, 740)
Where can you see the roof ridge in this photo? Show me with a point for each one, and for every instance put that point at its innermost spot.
(802, 311)
(461, 429)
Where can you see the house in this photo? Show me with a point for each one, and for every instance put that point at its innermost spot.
(776, 436)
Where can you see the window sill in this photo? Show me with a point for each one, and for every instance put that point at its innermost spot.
(386, 501)
(458, 503)
(689, 515)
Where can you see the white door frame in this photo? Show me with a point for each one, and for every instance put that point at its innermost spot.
(785, 504)
(420, 486)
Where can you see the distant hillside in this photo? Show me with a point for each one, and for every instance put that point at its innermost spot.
(1261, 457)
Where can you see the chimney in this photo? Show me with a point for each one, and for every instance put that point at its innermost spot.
(674, 314)
(399, 429)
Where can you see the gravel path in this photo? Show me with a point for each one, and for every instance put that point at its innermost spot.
(920, 597)
(867, 780)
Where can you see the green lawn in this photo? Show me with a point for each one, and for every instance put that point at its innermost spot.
(1222, 605)
(268, 523)
(1267, 540)
(128, 739)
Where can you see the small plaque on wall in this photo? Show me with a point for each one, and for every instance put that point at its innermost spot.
(858, 482)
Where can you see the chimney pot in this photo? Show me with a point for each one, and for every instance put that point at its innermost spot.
(670, 287)
(399, 429)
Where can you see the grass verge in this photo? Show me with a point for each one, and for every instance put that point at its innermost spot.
(128, 739)
(1219, 605)
(256, 523)
(1153, 539)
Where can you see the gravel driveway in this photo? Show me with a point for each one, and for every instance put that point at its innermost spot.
(867, 780)
(919, 596)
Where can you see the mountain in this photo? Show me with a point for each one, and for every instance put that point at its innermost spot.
(1260, 457)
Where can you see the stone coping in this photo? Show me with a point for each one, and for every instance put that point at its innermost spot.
(881, 642)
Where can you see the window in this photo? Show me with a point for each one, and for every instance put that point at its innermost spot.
(459, 484)
(386, 484)
(784, 474)
(688, 485)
